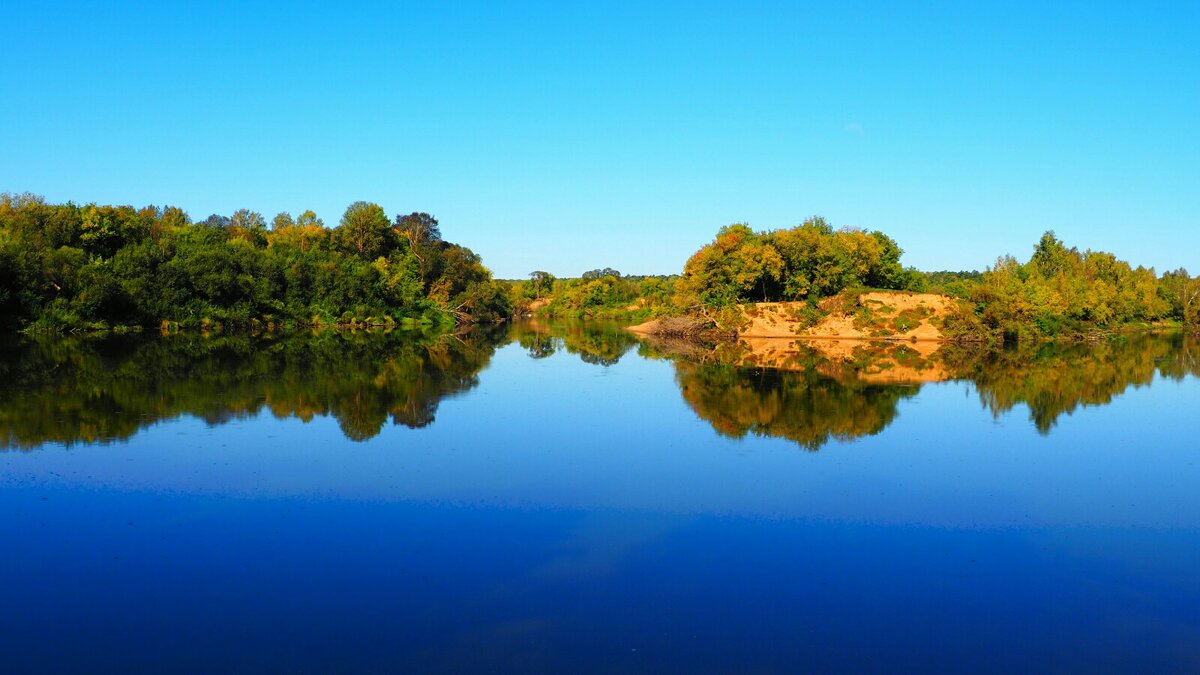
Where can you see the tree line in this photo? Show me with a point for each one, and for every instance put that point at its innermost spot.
(1062, 290)
(602, 293)
(65, 266)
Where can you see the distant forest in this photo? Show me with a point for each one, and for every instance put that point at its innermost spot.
(68, 267)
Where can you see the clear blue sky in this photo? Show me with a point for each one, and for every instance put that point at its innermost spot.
(567, 136)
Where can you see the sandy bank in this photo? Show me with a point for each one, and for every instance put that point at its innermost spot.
(878, 315)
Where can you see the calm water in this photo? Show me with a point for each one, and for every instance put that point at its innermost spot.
(565, 499)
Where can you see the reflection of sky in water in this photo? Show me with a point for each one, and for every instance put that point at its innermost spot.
(563, 513)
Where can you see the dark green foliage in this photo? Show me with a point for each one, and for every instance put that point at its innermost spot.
(954, 284)
(69, 267)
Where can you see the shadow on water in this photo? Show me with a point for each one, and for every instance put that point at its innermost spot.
(96, 390)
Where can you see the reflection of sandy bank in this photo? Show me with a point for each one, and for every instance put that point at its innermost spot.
(876, 361)
(869, 360)
(772, 353)
(894, 373)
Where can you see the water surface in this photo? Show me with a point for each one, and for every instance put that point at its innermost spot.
(566, 498)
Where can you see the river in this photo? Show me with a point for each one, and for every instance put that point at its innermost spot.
(565, 498)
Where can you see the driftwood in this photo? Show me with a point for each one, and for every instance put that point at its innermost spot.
(690, 327)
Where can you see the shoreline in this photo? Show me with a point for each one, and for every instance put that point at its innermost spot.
(649, 329)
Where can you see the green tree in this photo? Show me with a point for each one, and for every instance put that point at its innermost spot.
(542, 283)
(600, 274)
(248, 220)
(418, 229)
(249, 226)
(364, 230)
(174, 217)
(216, 221)
(282, 220)
(309, 219)
(100, 230)
(1182, 294)
(806, 262)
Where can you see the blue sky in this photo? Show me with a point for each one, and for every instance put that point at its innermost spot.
(569, 136)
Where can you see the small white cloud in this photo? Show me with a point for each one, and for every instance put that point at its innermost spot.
(853, 128)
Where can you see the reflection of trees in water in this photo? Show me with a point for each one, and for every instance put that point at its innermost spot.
(816, 397)
(88, 390)
(72, 390)
(1053, 379)
(538, 345)
(803, 406)
(594, 342)
(96, 389)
